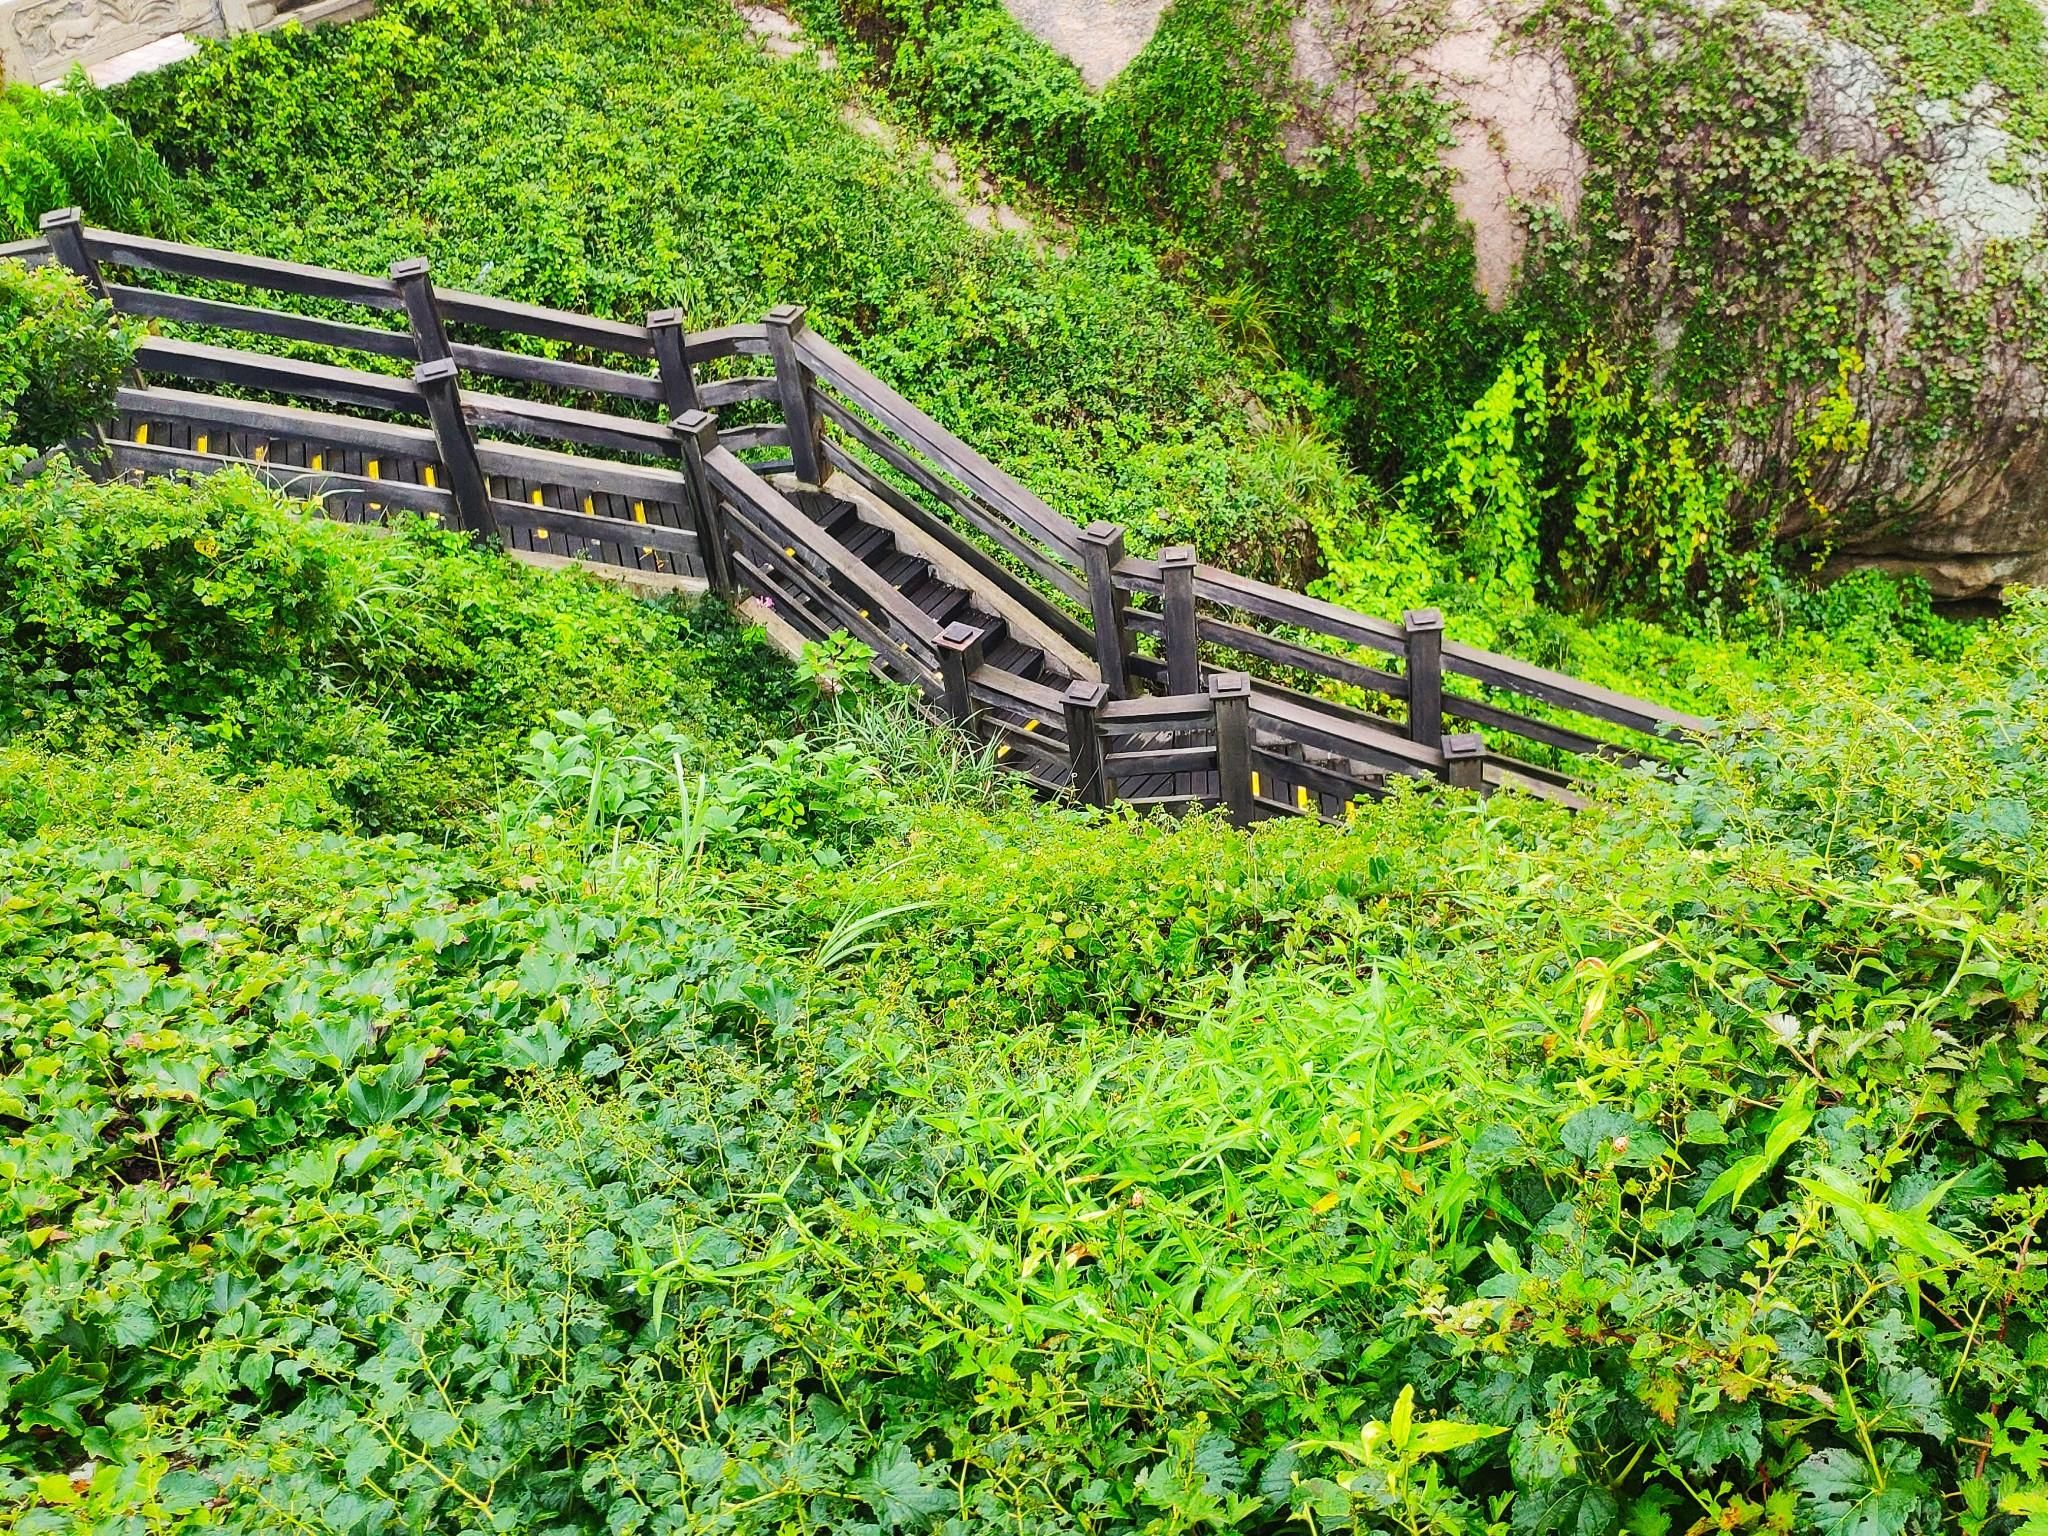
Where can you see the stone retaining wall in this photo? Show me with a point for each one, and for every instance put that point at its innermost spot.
(115, 39)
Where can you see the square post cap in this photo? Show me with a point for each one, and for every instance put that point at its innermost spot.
(435, 372)
(788, 316)
(1464, 744)
(1104, 533)
(1418, 619)
(1230, 685)
(958, 637)
(410, 266)
(699, 427)
(57, 218)
(1083, 694)
(662, 319)
(1177, 555)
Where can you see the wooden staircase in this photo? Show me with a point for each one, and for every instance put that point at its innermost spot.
(765, 463)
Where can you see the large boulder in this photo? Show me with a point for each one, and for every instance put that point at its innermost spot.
(1829, 230)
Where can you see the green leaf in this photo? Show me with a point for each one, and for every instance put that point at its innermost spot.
(897, 1488)
(1846, 1498)
(1790, 1123)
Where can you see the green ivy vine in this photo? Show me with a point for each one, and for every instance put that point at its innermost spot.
(1725, 259)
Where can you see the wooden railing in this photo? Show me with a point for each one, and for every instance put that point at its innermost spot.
(1173, 713)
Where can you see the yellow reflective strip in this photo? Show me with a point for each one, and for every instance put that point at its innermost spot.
(262, 452)
(1003, 751)
(374, 469)
(427, 475)
(790, 551)
(588, 509)
(142, 432)
(540, 533)
(1301, 796)
(319, 461)
(1255, 781)
(535, 499)
(639, 513)
(199, 443)
(1030, 725)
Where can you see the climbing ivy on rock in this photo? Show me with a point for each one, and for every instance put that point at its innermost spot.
(1741, 228)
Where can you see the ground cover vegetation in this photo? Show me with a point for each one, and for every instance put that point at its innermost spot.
(696, 1135)
(66, 148)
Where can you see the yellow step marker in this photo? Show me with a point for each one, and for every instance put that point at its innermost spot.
(374, 469)
(1301, 796)
(588, 509)
(1030, 725)
(639, 513)
(262, 452)
(142, 433)
(1003, 750)
(535, 499)
(319, 461)
(1255, 781)
(790, 551)
(427, 476)
(199, 443)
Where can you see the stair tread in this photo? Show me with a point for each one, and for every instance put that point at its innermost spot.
(865, 540)
(897, 568)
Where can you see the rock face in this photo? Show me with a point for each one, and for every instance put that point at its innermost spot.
(1949, 359)
(1100, 36)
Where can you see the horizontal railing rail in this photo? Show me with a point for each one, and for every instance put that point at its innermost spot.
(619, 459)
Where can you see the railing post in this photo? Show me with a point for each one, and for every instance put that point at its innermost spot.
(1084, 742)
(422, 309)
(1424, 629)
(678, 381)
(959, 648)
(1465, 761)
(1230, 696)
(696, 434)
(1102, 546)
(466, 482)
(793, 386)
(1177, 613)
(64, 229)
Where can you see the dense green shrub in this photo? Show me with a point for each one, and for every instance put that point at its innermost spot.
(62, 356)
(64, 148)
(414, 666)
(128, 606)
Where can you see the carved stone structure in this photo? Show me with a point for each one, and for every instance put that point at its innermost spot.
(40, 40)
